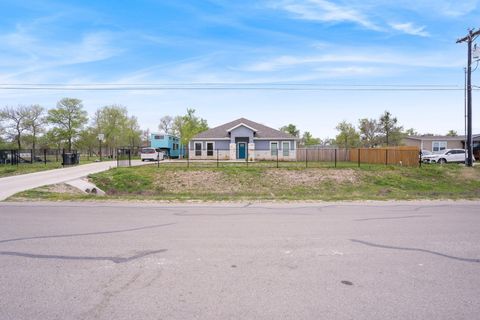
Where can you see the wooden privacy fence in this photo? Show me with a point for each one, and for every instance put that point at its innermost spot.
(324, 155)
(406, 156)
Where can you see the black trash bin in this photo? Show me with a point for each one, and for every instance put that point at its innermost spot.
(70, 159)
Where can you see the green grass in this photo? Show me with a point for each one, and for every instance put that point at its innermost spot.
(23, 168)
(262, 182)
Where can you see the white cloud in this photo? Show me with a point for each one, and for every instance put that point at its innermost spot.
(410, 28)
(326, 11)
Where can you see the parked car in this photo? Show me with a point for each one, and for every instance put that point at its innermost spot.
(152, 154)
(448, 155)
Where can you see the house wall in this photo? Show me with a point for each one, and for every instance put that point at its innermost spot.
(427, 144)
(241, 132)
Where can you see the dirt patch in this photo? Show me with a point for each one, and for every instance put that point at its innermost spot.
(203, 181)
(310, 177)
(60, 188)
(470, 173)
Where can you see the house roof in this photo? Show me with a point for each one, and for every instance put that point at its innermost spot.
(261, 131)
(449, 138)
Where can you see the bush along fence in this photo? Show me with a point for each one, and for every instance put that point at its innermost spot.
(38, 156)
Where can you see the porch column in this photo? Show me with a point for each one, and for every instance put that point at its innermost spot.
(251, 152)
(233, 151)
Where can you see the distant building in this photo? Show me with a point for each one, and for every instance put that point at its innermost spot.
(439, 143)
(168, 143)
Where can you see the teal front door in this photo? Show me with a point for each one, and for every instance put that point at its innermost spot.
(241, 150)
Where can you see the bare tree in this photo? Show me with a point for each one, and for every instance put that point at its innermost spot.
(166, 124)
(14, 119)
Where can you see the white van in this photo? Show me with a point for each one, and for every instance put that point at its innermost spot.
(151, 154)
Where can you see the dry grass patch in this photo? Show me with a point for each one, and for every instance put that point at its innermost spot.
(309, 177)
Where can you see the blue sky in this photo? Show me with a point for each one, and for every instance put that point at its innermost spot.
(357, 42)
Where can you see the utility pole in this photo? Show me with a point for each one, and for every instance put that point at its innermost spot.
(469, 38)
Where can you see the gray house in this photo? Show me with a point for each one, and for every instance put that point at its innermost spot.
(243, 139)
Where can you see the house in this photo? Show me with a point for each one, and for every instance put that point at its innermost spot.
(168, 143)
(439, 143)
(243, 139)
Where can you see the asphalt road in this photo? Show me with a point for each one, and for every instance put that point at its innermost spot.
(332, 261)
(14, 184)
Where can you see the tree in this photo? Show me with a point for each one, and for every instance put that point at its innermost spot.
(309, 140)
(35, 121)
(291, 129)
(388, 126)
(68, 119)
(452, 133)
(14, 119)
(188, 125)
(348, 137)
(411, 132)
(118, 128)
(369, 130)
(166, 123)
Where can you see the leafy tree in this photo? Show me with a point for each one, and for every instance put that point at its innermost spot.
(309, 140)
(452, 133)
(411, 132)
(347, 137)
(15, 122)
(389, 128)
(166, 124)
(68, 119)
(291, 129)
(369, 130)
(35, 121)
(117, 126)
(188, 125)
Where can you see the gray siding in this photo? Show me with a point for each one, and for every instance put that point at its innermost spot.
(219, 144)
(241, 132)
(265, 144)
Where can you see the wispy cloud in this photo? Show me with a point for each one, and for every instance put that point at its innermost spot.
(410, 28)
(326, 11)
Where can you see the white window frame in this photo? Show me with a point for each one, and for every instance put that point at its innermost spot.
(288, 149)
(195, 148)
(278, 147)
(440, 143)
(213, 149)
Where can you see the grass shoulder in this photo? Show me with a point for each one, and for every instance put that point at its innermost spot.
(238, 183)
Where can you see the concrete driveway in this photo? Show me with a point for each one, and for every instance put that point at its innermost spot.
(362, 261)
(13, 184)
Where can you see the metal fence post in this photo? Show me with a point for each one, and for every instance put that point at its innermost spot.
(306, 158)
(217, 159)
(277, 156)
(358, 157)
(188, 157)
(420, 158)
(386, 156)
(45, 156)
(32, 155)
(246, 158)
(335, 158)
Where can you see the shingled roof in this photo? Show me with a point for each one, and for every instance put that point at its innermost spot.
(262, 131)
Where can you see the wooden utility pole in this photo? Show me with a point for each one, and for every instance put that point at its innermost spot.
(469, 38)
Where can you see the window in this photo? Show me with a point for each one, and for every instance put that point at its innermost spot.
(209, 148)
(438, 146)
(274, 148)
(175, 146)
(157, 137)
(286, 148)
(198, 149)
